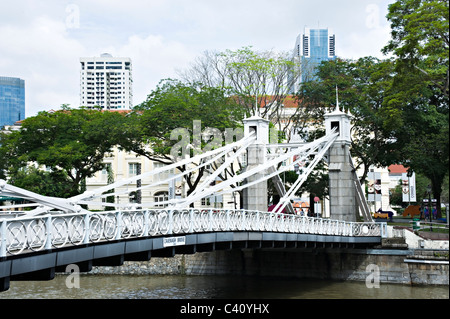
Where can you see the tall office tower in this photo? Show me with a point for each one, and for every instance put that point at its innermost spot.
(106, 81)
(12, 100)
(311, 48)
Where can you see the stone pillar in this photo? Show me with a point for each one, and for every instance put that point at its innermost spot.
(342, 190)
(255, 196)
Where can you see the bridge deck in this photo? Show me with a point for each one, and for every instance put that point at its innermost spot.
(38, 245)
(42, 265)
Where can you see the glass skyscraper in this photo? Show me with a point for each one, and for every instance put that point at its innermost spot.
(311, 48)
(12, 100)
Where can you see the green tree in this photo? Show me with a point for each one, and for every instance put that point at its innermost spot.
(259, 80)
(174, 106)
(420, 41)
(70, 143)
(54, 184)
(418, 103)
(362, 86)
(8, 154)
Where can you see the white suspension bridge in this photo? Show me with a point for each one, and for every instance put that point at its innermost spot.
(54, 232)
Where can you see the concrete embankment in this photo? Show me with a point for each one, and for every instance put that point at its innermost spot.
(402, 266)
(402, 258)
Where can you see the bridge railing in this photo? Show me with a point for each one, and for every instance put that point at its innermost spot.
(27, 234)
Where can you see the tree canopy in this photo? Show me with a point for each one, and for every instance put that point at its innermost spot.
(260, 81)
(420, 40)
(418, 104)
(183, 119)
(70, 143)
(362, 86)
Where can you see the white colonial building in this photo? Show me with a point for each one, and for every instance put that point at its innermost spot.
(155, 190)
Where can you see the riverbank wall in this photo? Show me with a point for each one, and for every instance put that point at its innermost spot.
(399, 266)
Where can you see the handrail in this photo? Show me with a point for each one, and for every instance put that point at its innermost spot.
(426, 224)
(35, 233)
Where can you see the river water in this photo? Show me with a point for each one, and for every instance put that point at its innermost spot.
(210, 287)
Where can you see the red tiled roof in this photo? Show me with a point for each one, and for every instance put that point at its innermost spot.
(397, 169)
(118, 111)
(289, 101)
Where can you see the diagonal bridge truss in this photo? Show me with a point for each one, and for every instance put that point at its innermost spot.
(51, 222)
(305, 155)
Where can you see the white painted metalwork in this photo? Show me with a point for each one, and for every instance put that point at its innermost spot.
(73, 204)
(35, 233)
(315, 149)
(318, 148)
(308, 155)
(61, 223)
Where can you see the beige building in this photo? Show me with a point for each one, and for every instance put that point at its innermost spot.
(124, 165)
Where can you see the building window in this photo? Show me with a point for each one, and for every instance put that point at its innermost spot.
(161, 197)
(206, 201)
(107, 174)
(132, 169)
(331, 46)
(305, 45)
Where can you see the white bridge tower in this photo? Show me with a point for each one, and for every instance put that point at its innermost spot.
(342, 188)
(255, 197)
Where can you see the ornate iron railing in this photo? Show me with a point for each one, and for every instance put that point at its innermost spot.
(27, 234)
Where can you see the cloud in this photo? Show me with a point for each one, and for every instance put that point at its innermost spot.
(365, 42)
(46, 56)
(372, 35)
(45, 52)
(153, 58)
(42, 55)
(42, 41)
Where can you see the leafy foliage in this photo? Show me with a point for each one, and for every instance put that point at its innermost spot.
(362, 87)
(70, 143)
(188, 108)
(418, 104)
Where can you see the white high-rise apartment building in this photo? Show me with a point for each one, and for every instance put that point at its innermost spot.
(106, 81)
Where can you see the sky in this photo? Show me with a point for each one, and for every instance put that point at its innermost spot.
(42, 41)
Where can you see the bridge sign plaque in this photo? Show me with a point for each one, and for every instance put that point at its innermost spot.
(174, 241)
